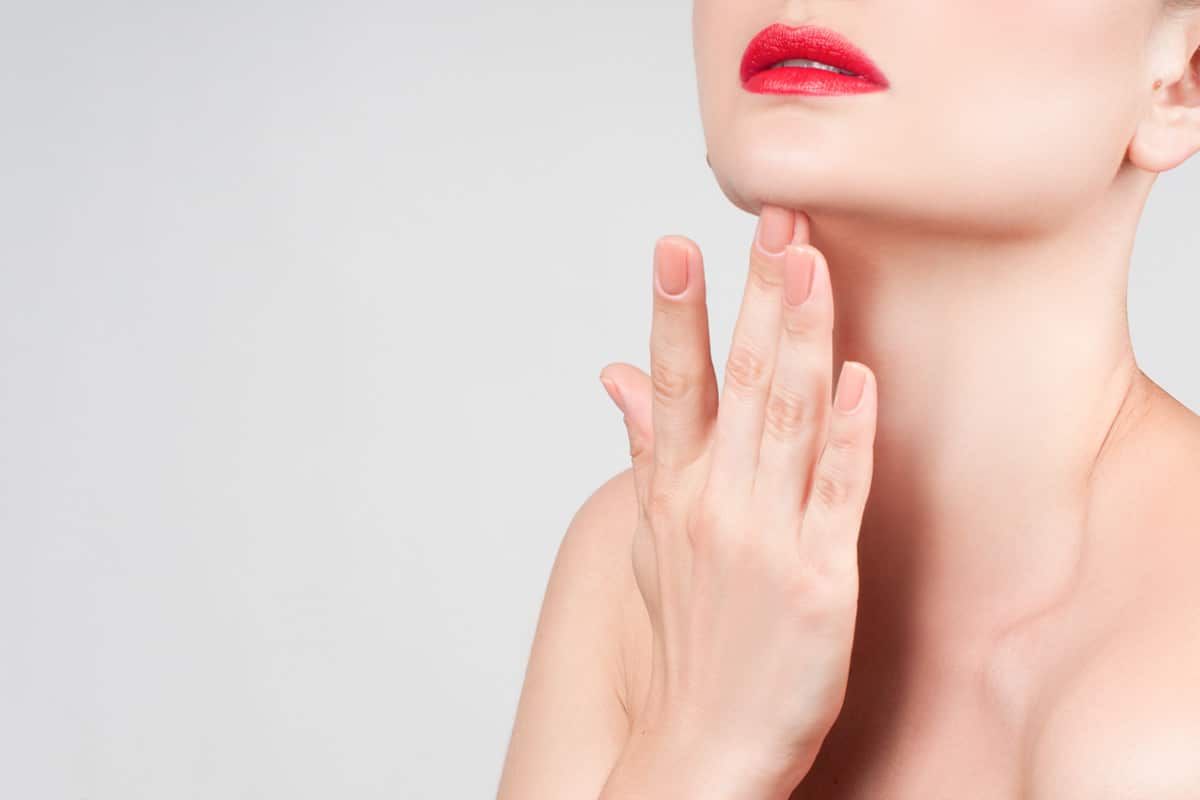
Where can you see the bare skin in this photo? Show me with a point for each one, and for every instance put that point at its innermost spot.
(1069, 676)
(1090, 694)
(1028, 623)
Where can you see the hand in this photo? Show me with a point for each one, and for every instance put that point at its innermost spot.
(746, 551)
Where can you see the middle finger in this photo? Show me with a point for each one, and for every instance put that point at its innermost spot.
(751, 362)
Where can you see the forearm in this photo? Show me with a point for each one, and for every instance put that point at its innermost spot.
(657, 767)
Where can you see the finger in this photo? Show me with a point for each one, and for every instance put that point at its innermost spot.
(633, 394)
(629, 388)
(751, 361)
(797, 411)
(683, 382)
(842, 478)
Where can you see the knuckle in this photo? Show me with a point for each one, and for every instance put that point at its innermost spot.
(660, 504)
(763, 275)
(836, 481)
(836, 574)
(637, 443)
(842, 442)
(710, 534)
(805, 322)
(703, 523)
(747, 368)
(832, 488)
(787, 413)
(826, 589)
(669, 382)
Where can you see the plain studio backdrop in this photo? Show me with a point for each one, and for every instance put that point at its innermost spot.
(302, 308)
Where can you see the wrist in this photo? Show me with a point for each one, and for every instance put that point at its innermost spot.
(669, 764)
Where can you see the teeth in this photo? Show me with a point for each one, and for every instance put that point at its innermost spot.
(804, 62)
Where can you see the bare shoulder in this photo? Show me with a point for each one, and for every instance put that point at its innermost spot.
(593, 571)
(634, 634)
(600, 534)
(1125, 721)
(571, 720)
(1126, 726)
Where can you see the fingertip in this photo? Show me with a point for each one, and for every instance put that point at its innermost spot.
(868, 404)
(870, 386)
(678, 268)
(851, 387)
(614, 392)
(678, 242)
(683, 245)
(802, 229)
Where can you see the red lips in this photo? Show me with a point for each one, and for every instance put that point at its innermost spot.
(780, 42)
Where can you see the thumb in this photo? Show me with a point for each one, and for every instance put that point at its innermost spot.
(630, 389)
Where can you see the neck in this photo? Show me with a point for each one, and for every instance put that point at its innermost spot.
(1005, 373)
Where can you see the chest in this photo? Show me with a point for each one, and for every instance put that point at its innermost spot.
(926, 724)
(928, 729)
(900, 737)
(943, 749)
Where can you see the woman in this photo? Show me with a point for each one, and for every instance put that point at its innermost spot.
(979, 583)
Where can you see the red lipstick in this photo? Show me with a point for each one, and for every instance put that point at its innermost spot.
(780, 42)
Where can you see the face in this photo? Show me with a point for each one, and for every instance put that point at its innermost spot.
(999, 114)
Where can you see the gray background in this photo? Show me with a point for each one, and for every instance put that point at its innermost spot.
(301, 311)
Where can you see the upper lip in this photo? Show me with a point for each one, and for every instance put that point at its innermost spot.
(779, 42)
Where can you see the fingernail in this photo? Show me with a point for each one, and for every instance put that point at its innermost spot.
(610, 386)
(800, 227)
(671, 269)
(774, 229)
(798, 275)
(851, 384)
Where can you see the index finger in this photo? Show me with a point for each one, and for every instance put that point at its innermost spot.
(681, 370)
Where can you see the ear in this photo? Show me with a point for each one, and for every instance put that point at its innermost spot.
(1169, 133)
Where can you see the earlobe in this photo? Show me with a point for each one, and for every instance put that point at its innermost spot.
(1170, 132)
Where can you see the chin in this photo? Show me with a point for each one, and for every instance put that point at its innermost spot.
(830, 186)
(750, 176)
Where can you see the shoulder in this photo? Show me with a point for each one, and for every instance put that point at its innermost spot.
(603, 529)
(1125, 723)
(571, 720)
(1127, 727)
(614, 501)
(597, 551)
(592, 564)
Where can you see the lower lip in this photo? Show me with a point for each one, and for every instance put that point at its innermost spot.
(807, 80)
